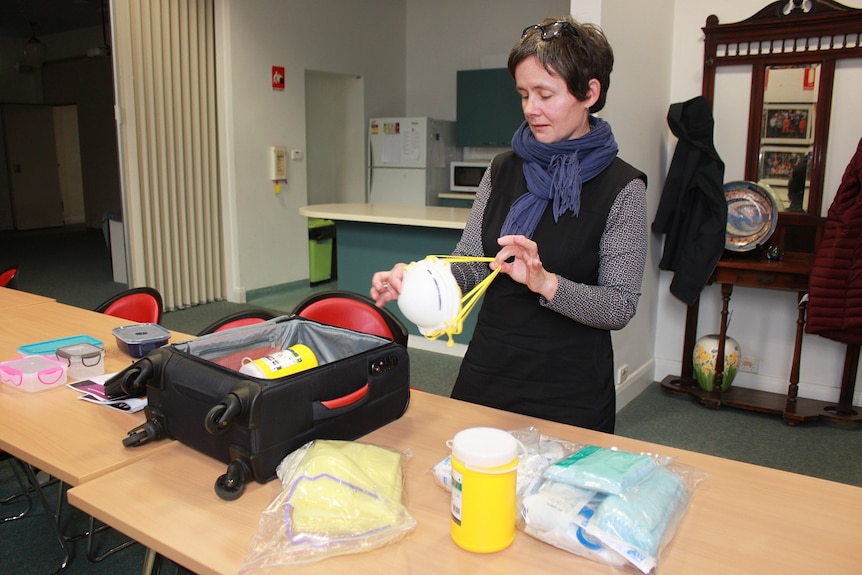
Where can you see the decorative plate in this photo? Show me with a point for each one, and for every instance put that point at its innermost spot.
(752, 212)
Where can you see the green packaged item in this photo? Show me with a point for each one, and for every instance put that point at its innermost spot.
(601, 469)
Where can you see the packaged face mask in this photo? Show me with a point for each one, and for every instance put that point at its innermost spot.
(636, 524)
(601, 469)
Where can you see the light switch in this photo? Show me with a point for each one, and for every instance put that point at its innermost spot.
(296, 154)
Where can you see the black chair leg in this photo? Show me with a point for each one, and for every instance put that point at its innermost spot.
(91, 554)
(25, 492)
(90, 534)
(55, 520)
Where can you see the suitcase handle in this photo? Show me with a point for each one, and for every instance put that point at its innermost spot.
(338, 405)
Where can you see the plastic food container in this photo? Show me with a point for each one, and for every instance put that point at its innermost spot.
(82, 360)
(33, 373)
(141, 338)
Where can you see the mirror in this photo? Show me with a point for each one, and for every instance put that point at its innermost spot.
(791, 47)
(787, 123)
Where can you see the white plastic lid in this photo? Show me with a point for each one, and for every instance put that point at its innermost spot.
(484, 447)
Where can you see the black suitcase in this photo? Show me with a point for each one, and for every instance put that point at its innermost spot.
(196, 395)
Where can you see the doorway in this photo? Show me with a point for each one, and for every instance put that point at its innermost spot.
(335, 159)
(31, 157)
(335, 137)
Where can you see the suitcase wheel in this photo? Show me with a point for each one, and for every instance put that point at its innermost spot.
(215, 422)
(231, 485)
(151, 430)
(238, 404)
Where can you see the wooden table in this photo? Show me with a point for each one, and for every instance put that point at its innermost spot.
(742, 519)
(71, 439)
(15, 298)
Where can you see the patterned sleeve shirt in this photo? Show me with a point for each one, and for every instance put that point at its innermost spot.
(609, 304)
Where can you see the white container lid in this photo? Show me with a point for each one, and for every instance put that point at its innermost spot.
(484, 447)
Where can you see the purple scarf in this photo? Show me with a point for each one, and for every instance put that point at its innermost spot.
(556, 172)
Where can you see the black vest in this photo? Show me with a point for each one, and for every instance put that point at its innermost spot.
(524, 357)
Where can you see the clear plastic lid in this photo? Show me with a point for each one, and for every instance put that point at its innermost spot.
(141, 333)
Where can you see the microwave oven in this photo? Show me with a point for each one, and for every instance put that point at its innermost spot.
(465, 176)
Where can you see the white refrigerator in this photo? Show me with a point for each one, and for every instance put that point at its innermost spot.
(408, 160)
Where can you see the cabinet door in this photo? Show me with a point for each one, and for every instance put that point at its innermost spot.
(489, 108)
(32, 163)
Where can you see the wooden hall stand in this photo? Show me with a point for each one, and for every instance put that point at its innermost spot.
(795, 33)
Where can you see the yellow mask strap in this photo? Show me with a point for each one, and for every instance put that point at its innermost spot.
(456, 325)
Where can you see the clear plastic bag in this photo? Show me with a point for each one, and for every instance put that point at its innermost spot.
(555, 517)
(620, 526)
(536, 452)
(620, 508)
(639, 523)
(337, 497)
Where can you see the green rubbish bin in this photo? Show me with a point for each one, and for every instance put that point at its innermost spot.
(321, 250)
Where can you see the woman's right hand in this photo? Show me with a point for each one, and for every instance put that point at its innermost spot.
(386, 286)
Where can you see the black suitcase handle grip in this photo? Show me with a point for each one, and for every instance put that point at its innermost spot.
(338, 405)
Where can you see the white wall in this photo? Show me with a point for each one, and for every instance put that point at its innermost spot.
(636, 108)
(407, 52)
(445, 36)
(763, 321)
(266, 237)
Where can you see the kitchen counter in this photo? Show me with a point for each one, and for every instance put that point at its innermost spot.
(374, 237)
(421, 216)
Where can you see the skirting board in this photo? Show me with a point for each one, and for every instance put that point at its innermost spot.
(636, 382)
(437, 345)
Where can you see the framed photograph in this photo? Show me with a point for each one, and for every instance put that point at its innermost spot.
(787, 124)
(777, 162)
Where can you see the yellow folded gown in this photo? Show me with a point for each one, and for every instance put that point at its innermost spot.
(343, 489)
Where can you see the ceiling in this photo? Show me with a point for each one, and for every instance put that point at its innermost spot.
(49, 16)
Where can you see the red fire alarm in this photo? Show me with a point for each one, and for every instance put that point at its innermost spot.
(278, 77)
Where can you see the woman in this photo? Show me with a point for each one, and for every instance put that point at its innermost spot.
(565, 220)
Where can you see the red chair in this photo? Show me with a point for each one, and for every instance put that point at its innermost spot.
(141, 305)
(238, 319)
(8, 275)
(352, 311)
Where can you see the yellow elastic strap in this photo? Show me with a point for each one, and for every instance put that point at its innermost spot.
(456, 325)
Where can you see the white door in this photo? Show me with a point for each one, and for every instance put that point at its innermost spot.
(69, 163)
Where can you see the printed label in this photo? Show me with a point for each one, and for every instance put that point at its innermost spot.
(457, 496)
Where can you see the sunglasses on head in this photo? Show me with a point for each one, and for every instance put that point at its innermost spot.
(550, 31)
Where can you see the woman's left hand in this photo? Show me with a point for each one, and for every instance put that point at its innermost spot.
(525, 266)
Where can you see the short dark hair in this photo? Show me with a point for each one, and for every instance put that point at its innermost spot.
(576, 56)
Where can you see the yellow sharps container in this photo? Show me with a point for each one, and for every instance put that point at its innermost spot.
(484, 474)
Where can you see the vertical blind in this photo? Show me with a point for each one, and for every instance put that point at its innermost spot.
(164, 69)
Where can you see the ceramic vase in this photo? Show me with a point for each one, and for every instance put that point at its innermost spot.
(705, 354)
